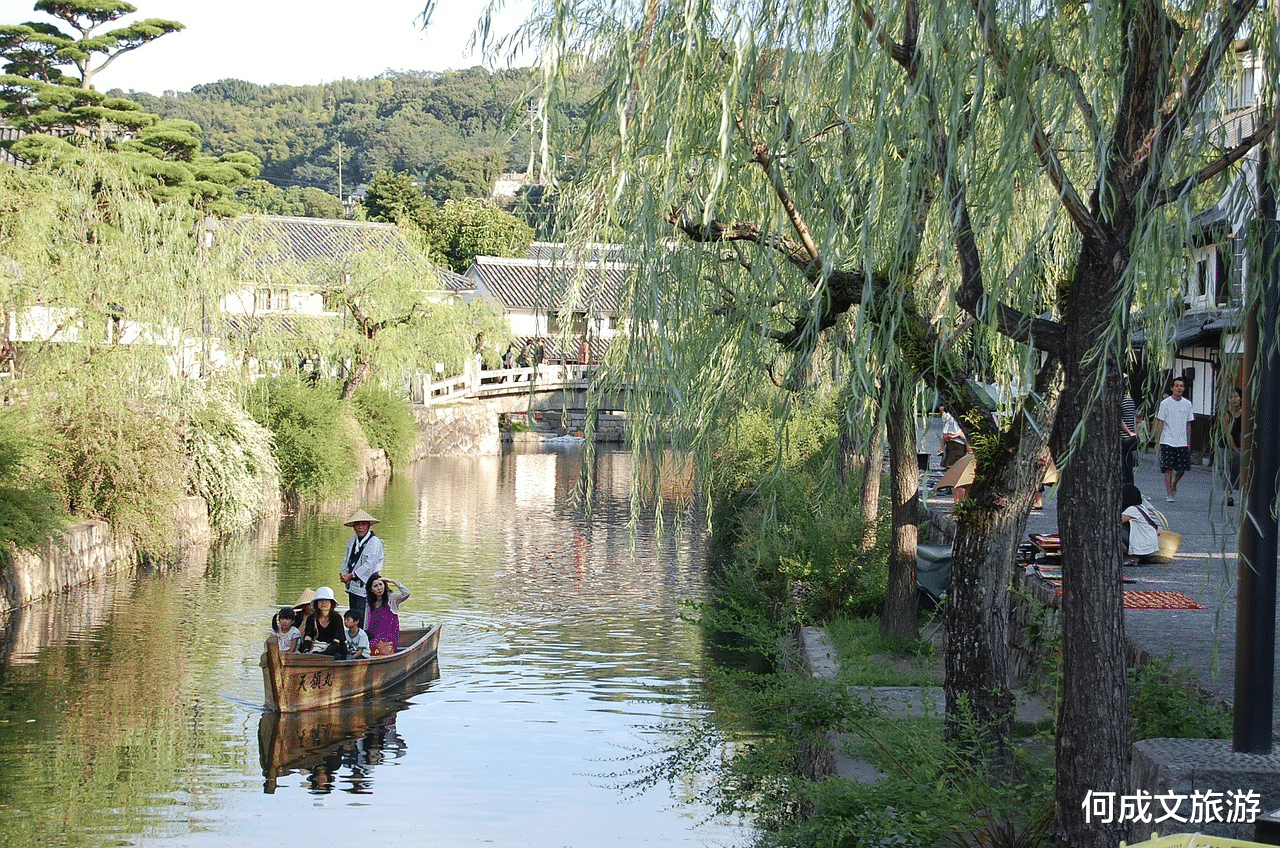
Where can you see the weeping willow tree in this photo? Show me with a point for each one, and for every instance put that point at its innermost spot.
(774, 195)
(382, 310)
(97, 276)
(1047, 157)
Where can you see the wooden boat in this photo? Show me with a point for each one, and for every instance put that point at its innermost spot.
(316, 741)
(297, 682)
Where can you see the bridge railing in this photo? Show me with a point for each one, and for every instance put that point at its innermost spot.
(548, 377)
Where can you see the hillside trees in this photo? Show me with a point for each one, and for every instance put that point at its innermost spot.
(1077, 134)
(407, 122)
(455, 233)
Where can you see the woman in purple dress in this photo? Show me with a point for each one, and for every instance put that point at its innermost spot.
(383, 618)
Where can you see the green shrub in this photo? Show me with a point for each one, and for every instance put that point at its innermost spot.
(1165, 703)
(29, 513)
(232, 466)
(308, 424)
(385, 420)
(120, 460)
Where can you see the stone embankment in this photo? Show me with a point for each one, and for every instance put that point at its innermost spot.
(88, 551)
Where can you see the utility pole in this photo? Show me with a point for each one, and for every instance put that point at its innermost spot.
(340, 200)
(1260, 460)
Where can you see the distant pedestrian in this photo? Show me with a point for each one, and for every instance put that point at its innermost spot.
(1128, 435)
(1231, 435)
(1139, 533)
(954, 444)
(1173, 432)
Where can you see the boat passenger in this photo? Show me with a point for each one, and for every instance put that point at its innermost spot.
(383, 611)
(324, 627)
(355, 642)
(287, 635)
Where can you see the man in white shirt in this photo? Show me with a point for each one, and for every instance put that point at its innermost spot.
(362, 560)
(1173, 430)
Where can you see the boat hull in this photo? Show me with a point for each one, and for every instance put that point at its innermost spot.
(297, 682)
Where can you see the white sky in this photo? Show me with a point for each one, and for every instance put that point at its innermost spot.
(295, 42)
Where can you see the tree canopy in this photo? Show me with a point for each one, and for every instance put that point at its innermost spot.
(47, 92)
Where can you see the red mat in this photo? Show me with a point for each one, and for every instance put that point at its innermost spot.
(1158, 600)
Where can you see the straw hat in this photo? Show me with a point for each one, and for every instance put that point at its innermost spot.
(360, 515)
(305, 599)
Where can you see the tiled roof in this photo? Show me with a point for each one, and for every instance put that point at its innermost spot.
(533, 284)
(587, 254)
(311, 239)
(449, 281)
(1195, 328)
(307, 239)
(1231, 128)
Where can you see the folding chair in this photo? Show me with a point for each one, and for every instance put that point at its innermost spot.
(933, 577)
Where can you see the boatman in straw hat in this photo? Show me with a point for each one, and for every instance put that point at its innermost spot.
(363, 560)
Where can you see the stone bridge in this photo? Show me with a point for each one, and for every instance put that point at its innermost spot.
(462, 414)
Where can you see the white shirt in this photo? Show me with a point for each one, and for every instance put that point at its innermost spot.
(1177, 416)
(1143, 538)
(951, 427)
(367, 564)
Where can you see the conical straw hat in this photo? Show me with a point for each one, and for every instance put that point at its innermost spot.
(360, 515)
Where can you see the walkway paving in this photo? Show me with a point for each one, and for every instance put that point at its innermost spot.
(1205, 569)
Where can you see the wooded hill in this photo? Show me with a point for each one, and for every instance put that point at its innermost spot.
(455, 131)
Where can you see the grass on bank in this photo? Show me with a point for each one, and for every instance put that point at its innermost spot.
(869, 659)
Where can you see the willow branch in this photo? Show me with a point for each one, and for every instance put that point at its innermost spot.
(1217, 166)
(1075, 207)
(1176, 115)
(761, 155)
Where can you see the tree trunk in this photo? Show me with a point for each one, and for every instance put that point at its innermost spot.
(899, 617)
(872, 474)
(359, 373)
(989, 527)
(1092, 751)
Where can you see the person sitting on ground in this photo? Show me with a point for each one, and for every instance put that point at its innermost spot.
(384, 614)
(323, 634)
(288, 637)
(355, 641)
(1139, 533)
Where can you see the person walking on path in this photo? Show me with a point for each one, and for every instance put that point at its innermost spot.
(1231, 435)
(1173, 430)
(363, 560)
(1128, 434)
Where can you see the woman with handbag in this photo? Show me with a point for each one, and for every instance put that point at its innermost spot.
(1140, 534)
(323, 633)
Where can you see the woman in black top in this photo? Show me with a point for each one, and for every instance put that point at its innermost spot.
(324, 626)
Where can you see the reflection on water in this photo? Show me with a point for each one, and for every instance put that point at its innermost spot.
(319, 744)
(127, 714)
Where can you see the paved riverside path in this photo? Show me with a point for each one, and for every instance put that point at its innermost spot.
(1205, 569)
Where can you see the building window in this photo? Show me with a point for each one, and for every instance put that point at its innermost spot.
(270, 300)
(578, 327)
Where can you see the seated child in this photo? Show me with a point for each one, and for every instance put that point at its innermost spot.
(357, 643)
(287, 635)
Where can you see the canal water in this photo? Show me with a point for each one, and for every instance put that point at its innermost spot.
(130, 712)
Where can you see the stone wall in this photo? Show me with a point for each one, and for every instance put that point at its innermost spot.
(466, 428)
(88, 551)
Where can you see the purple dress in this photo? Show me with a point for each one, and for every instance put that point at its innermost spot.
(384, 626)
